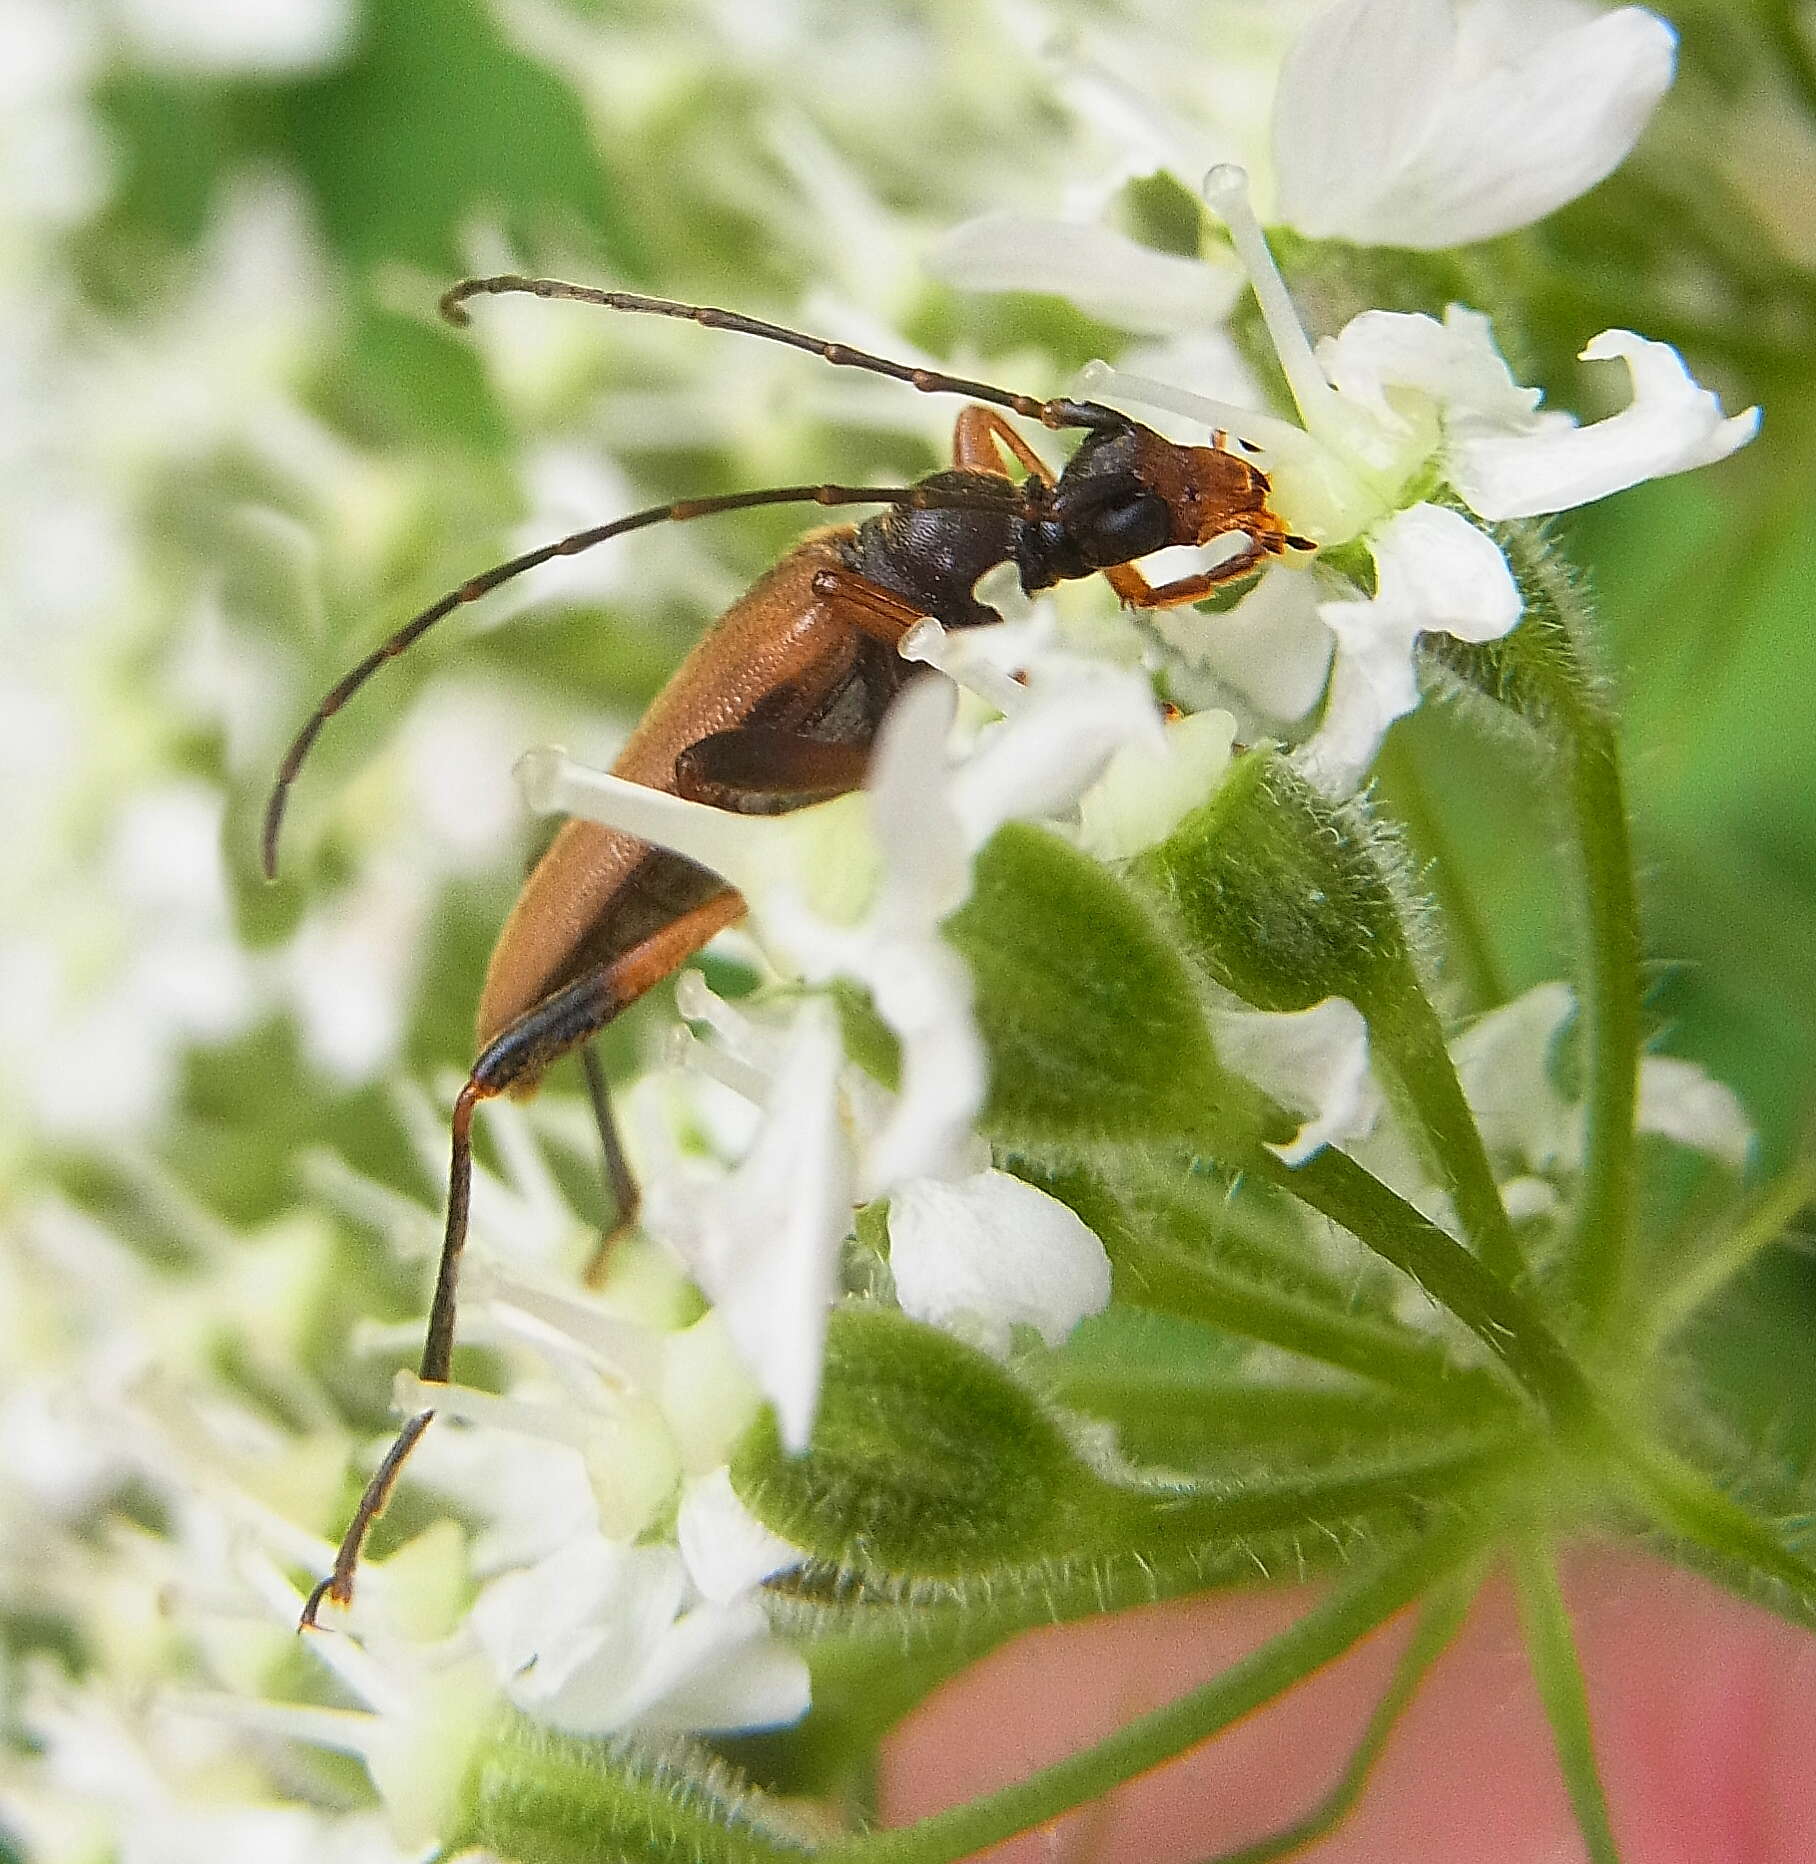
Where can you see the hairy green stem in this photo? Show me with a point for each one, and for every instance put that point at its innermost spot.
(1153, 1523)
(1409, 797)
(1358, 1607)
(1707, 1275)
(1439, 1622)
(1386, 1354)
(1506, 1323)
(1611, 1004)
(1413, 1040)
(1558, 1672)
(1684, 1502)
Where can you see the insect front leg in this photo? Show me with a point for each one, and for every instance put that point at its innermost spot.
(1137, 592)
(516, 1058)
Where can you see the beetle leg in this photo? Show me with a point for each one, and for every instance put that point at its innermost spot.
(755, 771)
(1137, 592)
(977, 436)
(620, 1181)
(515, 1058)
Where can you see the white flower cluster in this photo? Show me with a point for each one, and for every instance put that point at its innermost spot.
(607, 1578)
(1401, 123)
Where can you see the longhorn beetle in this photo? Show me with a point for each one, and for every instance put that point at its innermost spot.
(777, 707)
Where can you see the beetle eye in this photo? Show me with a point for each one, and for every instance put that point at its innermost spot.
(1121, 533)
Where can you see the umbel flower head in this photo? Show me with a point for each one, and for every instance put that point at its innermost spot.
(1413, 438)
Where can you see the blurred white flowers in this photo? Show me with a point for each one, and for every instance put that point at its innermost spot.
(1426, 124)
(1411, 123)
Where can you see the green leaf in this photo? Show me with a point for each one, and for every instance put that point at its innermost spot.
(928, 1460)
(543, 1798)
(1279, 892)
(1091, 1017)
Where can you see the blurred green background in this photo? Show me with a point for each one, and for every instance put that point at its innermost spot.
(289, 454)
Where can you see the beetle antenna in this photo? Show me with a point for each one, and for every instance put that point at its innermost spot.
(914, 497)
(1053, 413)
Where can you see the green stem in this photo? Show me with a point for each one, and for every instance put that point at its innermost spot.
(1412, 1039)
(1388, 1355)
(1438, 1624)
(1410, 798)
(1712, 1272)
(1611, 1006)
(1323, 1634)
(1793, 46)
(1684, 1502)
(1504, 1321)
(1154, 1524)
(1539, 673)
(1558, 1672)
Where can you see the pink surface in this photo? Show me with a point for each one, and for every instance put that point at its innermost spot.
(1704, 1710)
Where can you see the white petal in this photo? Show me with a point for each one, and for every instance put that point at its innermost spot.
(1454, 363)
(589, 1641)
(1313, 1062)
(1355, 98)
(1671, 425)
(1679, 1101)
(727, 1549)
(721, 1668)
(1507, 145)
(1142, 797)
(1504, 1063)
(1105, 274)
(1039, 762)
(1434, 572)
(926, 860)
(1271, 648)
(263, 36)
(987, 1255)
(763, 1244)
(592, 1604)
(922, 990)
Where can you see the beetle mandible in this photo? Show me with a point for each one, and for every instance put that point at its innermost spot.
(777, 706)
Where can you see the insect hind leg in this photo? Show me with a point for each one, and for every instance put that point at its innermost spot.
(620, 1181)
(517, 1057)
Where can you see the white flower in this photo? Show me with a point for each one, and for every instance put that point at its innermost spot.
(857, 887)
(1312, 1061)
(275, 36)
(428, 1710)
(727, 1549)
(762, 1241)
(1146, 792)
(1415, 123)
(600, 1637)
(1391, 404)
(1671, 425)
(990, 1253)
(1403, 123)
(1678, 1101)
(1105, 273)
(1434, 571)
